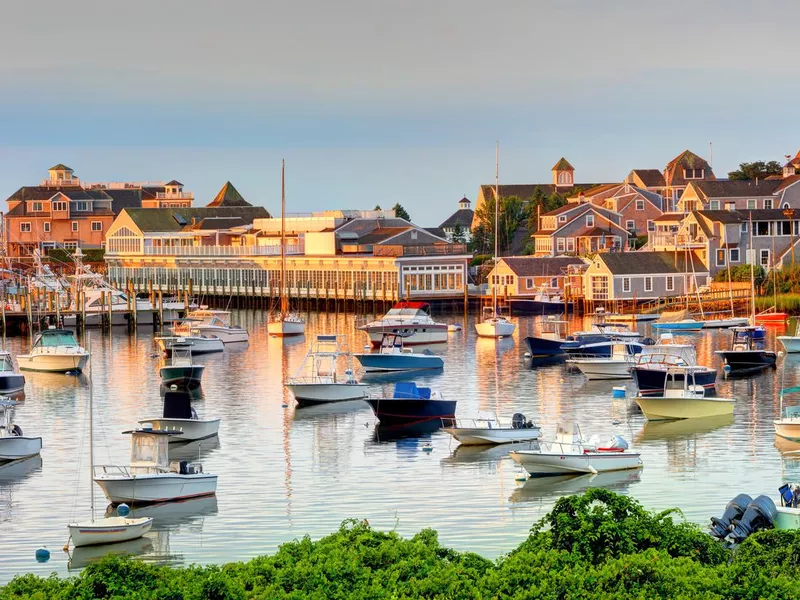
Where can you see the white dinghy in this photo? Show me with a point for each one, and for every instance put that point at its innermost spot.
(317, 380)
(477, 432)
(180, 416)
(14, 445)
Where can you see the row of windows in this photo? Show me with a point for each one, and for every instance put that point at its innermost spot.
(752, 204)
(62, 205)
(434, 282)
(25, 226)
(437, 268)
(648, 284)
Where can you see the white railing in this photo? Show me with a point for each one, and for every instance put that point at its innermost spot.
(61, 182)
(174, 195)
(671, 239)
(221, 250)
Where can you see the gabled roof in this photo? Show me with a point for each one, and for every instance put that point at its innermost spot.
(563, 165)
(788, 182)
(651, 263)
(649, 177)
(60, 167)
(228, 196)
(164, 219)
(463, 217)
(40, 193)
(529, 266)
(686, 159)
(736, 189)
(413, 236)
(211, 223)
(125, 198)
(670, 217)
(742, 216)
(437, 231)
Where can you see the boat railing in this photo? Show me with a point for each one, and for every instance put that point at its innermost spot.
(129, 471)
(484, 423)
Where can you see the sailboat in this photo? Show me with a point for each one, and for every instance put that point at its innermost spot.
(719, 322)
(772, 316)
(494, 325)
(285, 323)
(106, 530)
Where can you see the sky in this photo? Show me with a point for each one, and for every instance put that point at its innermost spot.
(385, 101)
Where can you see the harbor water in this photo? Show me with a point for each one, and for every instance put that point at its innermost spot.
(285, 472)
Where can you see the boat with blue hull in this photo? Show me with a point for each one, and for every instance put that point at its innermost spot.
(393, 356)
(654, 362)
(547, 345)
(410, 404)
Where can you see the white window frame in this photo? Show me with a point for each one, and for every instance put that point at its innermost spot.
(560, 244)
(25, 227)
(82, 206)
(651, 226)
(37, 206)
(730, 255)
(766, 200)
(626, 284)
(761, 252)
(670, 283)
(630, 225)
(713, 205)
(74, 227)
(99, 226)
(46, 226)
(639, 204)
(648, 284)
(743, 227)
(562, 218)
(752, 204)
(60, 205)
(570, 244)
(590, 220)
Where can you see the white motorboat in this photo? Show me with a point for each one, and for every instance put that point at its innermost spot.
(570, 453)
(179, 415)
(179, 369)
(495, 326)
(286, 325)
(616, 366)
(788, 425)
(10, 380)
(151, 477)
(14, 445)
(54, 351)
(478, 432)
(683, 398)
(200, 344)
(393, 356)
(214, 323)
(108, 530)
(791, 343)
(317, 380)
(411, 319)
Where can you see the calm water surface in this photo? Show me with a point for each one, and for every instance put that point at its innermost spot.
(286, 472)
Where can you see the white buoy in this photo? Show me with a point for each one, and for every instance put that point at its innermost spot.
(527, 355)
(427, 448)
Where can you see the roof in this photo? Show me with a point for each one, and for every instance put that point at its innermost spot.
(407, 238)
(163, 219)
(650, 177)
(465, 199)
(463, 217)
(670, 217)
(598, 232)
(229, 196)
(210, 223)
(737, 189)
(529, 266)
(563, 165)
(60, 167)
(437, 231)
(525, 191)
(124, 198)
(740, 216)
(686, 159)
(656, 199)
(785, 183)
(36, 193)
(376, 236)
(650, 263)
(174, 182)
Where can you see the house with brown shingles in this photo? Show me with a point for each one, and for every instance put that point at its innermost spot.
(579, 228)
(730, 195)
(671, 183)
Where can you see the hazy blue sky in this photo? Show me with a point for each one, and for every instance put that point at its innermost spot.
(384, 101)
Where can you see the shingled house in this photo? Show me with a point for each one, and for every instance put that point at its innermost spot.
(461, 219)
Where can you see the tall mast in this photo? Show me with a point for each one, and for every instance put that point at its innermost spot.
(284, 307)
(496, 213)
(91, 431)
(752, 272)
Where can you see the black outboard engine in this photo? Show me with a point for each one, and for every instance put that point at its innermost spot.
(721, 527)
(759, 515)
(790, 495)
(518, 421)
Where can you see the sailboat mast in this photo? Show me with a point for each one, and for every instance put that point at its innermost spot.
(91, 432)
(752, 272)
(496, 218)
(284, 307)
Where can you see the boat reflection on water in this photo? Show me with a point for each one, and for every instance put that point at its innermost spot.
(195, 450)
(547, 489)
(787, 447)
(330, 409)
(195, 392)
(16, 470)
(499, 346)
(395, 433)
(681, 428)
(170, 516)
(83, 556)
(486, 453)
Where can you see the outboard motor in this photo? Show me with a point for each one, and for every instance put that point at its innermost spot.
(648, 341)
(721, 527)
(518, 421)
(790, 495)
(759, 515)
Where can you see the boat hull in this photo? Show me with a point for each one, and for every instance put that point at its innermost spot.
(109, 530)
(651, 381)
(788, 428)
(406, 411)
(377, 362)
(662, 409)
(495, 329)
(200, 345)
(743, 362)
(414, 335)
(679, 326)
(319, 393)
(544, 348)
(192, 429)
(482, 436)
(720, 323)
(16, 447)
(786, 518)
(144, 489)
(791, 344)
(285, 328)
(776, 318)
(52, 363)
(182, 376)
(550, 463)
(594, 368)
(537, 307)
(11, 382)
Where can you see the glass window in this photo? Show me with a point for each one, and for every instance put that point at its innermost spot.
(721, 257)
(763, 258)
(713, 205)
(560, 244)
(640, 205)
(46, 226)
(651, 226)
(743, 227)
(648, 284)
(630, 225)
(97, 226)
(670, 283)
(590, 220)
(25, 227)
(570, 244)
(626, 284)
(733, 255)
(751, 204)
(74, 226)
(767, 203)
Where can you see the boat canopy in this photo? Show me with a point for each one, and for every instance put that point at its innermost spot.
(150, 447)
(409, 309)
(56, 337)
(409, 390)
(790, 390)
(177, 405)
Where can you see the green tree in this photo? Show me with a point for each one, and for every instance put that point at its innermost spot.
(481, 240)
(377, 207)
(459, 235)
(513, 213)
(756, 170)
(400, 212)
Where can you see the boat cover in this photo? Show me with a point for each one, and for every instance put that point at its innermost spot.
(409, 389)
(177, 405)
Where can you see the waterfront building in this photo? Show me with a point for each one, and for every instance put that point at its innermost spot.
(527, 276)
(235, 250)
(65, 212)
(579, 228)
(731, 195)
(461, 219)
(636, 206)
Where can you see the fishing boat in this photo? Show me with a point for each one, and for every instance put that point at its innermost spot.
(602, 346)
(10, 380)
(150, 476)
(748, 353)
(54, 351)
(654, 361)
(180, 415)
(410, 404)
(14, 445)
(600, 327)
(317, 380)
(107, 530)
(791, 343)
(212, 324)
(411, 319)
(493, 324)
(478, 432)
(200, 344)
(787, 515)
(393, 356)
(547, 345)
(616, 366)
(683, 399)
(570, 453)
(179, 369)
(788, 425)
(285, 323)
(677, 320)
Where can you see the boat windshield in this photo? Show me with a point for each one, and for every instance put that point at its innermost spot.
(5, 363)
(149, 449)
(57, 337)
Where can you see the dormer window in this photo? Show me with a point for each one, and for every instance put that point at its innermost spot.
(562, 218)
(81, 205)
(694, 173)
(59, 205)
(37, 206)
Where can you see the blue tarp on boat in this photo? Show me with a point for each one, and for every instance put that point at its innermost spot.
(409, 389)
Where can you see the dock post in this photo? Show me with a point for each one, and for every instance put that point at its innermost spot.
(29, 311)
(3, 314)
(134, 312)
(161, 308)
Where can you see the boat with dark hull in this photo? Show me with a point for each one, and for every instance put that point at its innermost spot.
(748, 353)
(654, 362)
(410, 404)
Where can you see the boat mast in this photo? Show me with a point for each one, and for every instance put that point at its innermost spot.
(774, 274)
(752, 273)
(91, 432)
(496, 213)
(284, 302)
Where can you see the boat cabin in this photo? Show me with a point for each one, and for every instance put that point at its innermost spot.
(553, 329)
(56, 338)
(752, 337)
(149, 449)
(181, 354)
(409, 390)
(7, 428)
(6, 364)
(409, 311)
(680, 382)
(669, 353)
(215, 318)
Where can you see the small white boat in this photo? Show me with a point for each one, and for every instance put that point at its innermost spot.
(215, 323)
(478, 432)
(200, 344)
(495, 326)
(725, 322)
(677, 320)
(791, 343)
(179, 369)
(54, 351)
(411, 319)
(393, 356)
(10, 380)
(788, 425)
(179, 415)
(286, 325)
(616, 366)
(317, 380)
(151, 477)
(683, 398)
(570, 453)
(14, 445)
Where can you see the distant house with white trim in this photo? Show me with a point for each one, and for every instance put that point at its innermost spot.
(579, 228)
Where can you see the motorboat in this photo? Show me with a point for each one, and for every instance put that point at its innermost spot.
(150, 476)
(173, 309)
(96, 300)
(570, 453)
(317, 380)
(788, 424)
(411, 405)
(791, 343)
(410, 318)
(602, 346)
(547, 345)
(616, 366)
(494, 325)
(14, 445)
(179, 369)
(54, 351)
(748, 353)
(631, 317)
(683, 399)
(677, 320)
(394, 356)
(546, 300)
(787, 515)
(10, 381)
(180, 415)
(652, 364)
(478, 432)
(214, 323)
(607, 330)
(201, 344)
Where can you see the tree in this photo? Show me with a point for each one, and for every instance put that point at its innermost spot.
(459, 235)
(377, 207)
(481, 241)
(756, 170)
(512, 214)
(401, 212)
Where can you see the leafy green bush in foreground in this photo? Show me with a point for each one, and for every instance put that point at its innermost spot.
(596, 545)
